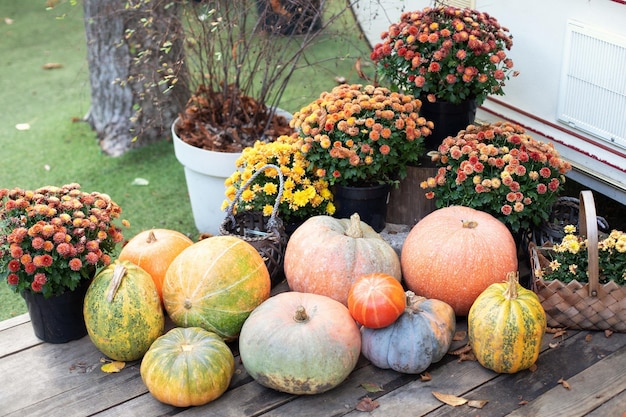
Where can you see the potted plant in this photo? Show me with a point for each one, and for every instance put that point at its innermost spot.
(52, 241)
(449, 57)
(304, 194)
(499, 169)
(360, 139)
(239, 67)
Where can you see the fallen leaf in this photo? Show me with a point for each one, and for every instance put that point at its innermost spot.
(467, 357)
(553, 330)
(372, 387)
(22, 126)
(523, 402)
(465, 349)
(366, 404)
(113, 367)
(52, 65)
(140, 181)
(449, 399)
(460, 335)
(564, 383)
(559, 333)
(608, 333)
(477, 403)
(425, 377)
(533, 367)
(588, 337)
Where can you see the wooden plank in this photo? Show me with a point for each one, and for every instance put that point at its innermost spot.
(616, 406)
(589, 389)
(572, 356)
(17, 338)
(14, 321)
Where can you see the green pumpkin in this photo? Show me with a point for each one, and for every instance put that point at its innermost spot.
(505, 327)
(187, 367)
(123, 312)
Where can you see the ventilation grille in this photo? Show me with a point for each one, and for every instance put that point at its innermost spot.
(592, 97)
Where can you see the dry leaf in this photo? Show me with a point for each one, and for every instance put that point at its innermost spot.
(449, 399)
(553, 330)
(425, 377)
(533, 367)
(608, 333)
(367, 404)
(467, 357)
(52, 65)
(523, 402)
(564, 383)
(559, 333)
(357, 67)
(460, 335)
(465, 349)
(112, 367)
(372, 387)
(588, 337)
(477, 403)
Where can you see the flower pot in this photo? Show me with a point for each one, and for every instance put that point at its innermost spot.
(369, 202)
(205, 173)
(58, 319)
(448, 118)
(408, 203)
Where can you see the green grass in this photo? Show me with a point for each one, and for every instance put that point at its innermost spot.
(57, 150)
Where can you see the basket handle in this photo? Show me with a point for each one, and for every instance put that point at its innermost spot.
(271, 223)
(589, 230)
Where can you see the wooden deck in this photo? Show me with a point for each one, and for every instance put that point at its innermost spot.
(41, 379)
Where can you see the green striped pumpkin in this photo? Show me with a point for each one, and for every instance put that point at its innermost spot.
(215, 284)
(187, 366)
(505, 326)
(123, 312)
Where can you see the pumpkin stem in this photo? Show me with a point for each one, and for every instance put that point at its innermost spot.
(118, 273)
(151, 237)
(469, 224)
(511, 290)
(413, 301)
(354, 230)
(301, 315)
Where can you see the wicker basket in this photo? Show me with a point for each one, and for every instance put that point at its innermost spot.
(575, 305)
(266, 234)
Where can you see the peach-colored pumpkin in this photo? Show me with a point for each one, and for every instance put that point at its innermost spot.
(455, 253)
(325, 255)
(154, 250)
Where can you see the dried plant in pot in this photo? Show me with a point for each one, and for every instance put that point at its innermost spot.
(239, 68)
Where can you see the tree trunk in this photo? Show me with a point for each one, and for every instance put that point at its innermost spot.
(138, 81)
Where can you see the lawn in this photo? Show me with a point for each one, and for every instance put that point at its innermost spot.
(53, 147)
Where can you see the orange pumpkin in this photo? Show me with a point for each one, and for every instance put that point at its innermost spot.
(376, 300)
(154, 250)
(455, 253)
(325, 255)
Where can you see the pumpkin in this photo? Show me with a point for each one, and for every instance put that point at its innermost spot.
(376, 300)
(300, 343)
(154, 250)
(325, 255)
(454, 253)
(215, 284)
(123, 312)
(187, 366)
(505, 326)
(421, 336)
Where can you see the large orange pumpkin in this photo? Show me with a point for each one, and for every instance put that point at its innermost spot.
(325, 255)
(455, 253)
(154, 250)
(215, 284)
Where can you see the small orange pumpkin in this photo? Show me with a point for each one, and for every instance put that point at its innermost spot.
(376, 300)
(455, 253)
(325, 255)
(154, 250)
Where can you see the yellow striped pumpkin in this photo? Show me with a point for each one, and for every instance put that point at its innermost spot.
(506, 325)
